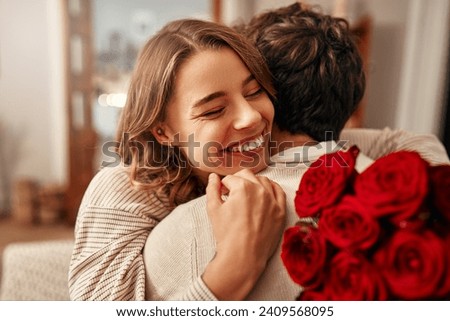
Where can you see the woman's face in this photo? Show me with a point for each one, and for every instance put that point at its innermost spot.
(219, 115)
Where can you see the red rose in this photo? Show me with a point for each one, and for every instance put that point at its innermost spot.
(416, 223)
(353, 277)
(394, 185)
(324, 182)
(349, 225)
(440, 188)
(313, 295)
(444, 288)
(413, 264)
(303, 253)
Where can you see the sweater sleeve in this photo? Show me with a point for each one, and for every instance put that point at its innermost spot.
(112, 226)
(198, 291)
(376, 143)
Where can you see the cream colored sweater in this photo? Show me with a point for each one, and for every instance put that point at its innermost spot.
(112, 226)
(115, 220)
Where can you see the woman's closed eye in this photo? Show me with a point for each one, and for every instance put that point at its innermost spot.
(254, 93)
(213, 112)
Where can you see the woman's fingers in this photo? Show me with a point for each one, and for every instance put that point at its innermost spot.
(239, 179)
(213, 193)
(267, 184)
(279, 193)
(250, 222)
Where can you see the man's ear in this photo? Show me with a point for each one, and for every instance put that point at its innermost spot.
(162, 135)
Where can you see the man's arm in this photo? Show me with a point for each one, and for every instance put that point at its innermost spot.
(376, 143)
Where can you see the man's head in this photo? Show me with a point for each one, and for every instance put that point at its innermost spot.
(317, 68)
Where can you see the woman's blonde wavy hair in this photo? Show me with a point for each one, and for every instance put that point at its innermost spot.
(155, 166)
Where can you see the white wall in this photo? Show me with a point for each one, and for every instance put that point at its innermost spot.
(32, 110)
(424, 74)
(408, 64)
(386, 61)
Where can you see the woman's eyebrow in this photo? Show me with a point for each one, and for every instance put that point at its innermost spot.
(248, 79)
(208, 98)
(218, 94)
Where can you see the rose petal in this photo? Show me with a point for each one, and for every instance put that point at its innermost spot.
(324, 182)
(303, 253)
(412, 264)
(440, 189)
(313, 295)
(353, 277)
(349, 225)
(395, 185)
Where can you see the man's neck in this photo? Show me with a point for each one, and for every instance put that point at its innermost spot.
(284, 140)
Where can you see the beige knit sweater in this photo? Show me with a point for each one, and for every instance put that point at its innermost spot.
(115, 220)
(112, 225)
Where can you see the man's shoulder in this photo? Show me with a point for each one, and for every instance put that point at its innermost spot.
(181, 226)
(193, 208)
(285, 174)
(187, 223)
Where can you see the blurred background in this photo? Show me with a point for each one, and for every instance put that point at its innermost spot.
(65, 65)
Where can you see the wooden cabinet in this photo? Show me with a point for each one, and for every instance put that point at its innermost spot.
(82, 136)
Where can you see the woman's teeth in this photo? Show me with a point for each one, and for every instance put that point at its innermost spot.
(247, 146)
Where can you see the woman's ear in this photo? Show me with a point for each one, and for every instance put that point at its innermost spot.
(161, 135)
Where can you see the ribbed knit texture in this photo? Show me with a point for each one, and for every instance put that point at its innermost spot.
(111, 229)
(376, 143)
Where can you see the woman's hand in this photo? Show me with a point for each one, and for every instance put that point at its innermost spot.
(247, 227)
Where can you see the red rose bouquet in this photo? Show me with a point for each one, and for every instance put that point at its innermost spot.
(383, 234)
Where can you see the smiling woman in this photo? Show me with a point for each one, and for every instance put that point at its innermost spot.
(221, 105)
(199, 102)
(209, 91)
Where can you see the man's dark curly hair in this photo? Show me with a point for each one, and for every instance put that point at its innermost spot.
(317, 68)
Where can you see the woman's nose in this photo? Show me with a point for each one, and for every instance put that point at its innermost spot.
(246, 116)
